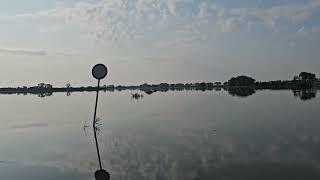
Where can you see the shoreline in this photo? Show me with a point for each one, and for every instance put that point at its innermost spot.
(147, 88)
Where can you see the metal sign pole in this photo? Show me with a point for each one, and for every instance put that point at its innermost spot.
(99, 72)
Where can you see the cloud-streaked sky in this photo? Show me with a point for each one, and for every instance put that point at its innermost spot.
(157, 40)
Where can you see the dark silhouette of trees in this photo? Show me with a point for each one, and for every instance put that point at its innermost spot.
(304, 80)
(164, 87)
(68, 85)
(306, 76)
(241, 81)
(44, 86)
(203, 86)
(274, 85)
(248, 85)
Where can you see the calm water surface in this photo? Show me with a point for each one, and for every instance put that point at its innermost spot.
(173, 135)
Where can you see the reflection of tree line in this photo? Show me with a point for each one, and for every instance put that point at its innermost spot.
(241, 92)
(304, 86)
(305, 94)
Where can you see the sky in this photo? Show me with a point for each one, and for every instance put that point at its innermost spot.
(155, 41)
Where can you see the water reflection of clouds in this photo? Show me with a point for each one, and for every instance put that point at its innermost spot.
(141, 155)
(62, 164)
(163, 139)
(18, 171)
(147, 154)
(30, 125)
(37, 125)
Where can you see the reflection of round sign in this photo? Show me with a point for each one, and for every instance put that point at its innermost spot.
(99, 71)
(102, 175)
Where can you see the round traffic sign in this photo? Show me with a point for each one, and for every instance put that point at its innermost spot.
(99, 71)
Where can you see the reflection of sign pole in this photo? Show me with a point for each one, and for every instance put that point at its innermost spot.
(99, 72)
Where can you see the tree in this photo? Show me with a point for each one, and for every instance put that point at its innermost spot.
(241, 81)
(41, 85)
(44, 86)
(305, 76)
(68, 85)
(48, 86)
(210, 84)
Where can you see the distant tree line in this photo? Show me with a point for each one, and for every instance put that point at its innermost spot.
(242, 86)
(303, 85)
(303, 80)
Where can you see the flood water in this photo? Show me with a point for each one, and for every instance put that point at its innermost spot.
(172, 135)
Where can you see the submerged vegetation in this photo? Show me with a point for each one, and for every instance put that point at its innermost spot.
(136, 96)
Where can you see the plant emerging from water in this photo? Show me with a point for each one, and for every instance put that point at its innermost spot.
(97, 126)
(136, 96)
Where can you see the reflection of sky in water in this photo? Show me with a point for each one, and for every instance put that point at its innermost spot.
(174, 135)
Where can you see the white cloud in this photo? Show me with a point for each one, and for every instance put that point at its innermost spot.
(228, 24)
(127, 19)
(274, 17)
